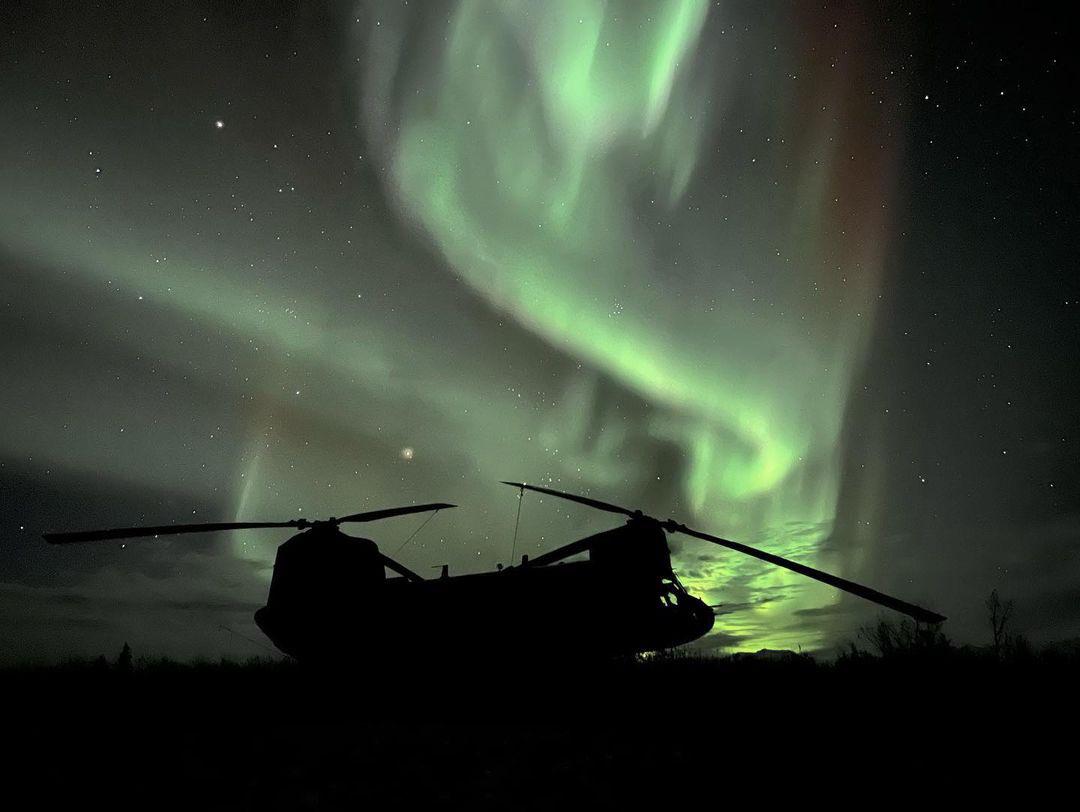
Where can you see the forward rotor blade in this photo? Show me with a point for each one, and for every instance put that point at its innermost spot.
(400, 569)
(373, 515)
(865, 592)
(165, 530)
(584, 500)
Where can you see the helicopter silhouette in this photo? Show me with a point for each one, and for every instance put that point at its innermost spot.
(330, 598)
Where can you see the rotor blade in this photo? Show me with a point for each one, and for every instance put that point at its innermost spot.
(584, 500)
(400, 569)
(909, 609)
(567, 550)
(177, 529)
(165, 530)
(373, 515)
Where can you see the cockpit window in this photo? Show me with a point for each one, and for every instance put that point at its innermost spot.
(671, 592)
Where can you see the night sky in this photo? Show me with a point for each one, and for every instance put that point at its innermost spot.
(802, 275)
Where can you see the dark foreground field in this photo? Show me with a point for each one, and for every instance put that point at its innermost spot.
(274, 735)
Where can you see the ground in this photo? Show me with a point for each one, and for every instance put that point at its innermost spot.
(278, 736)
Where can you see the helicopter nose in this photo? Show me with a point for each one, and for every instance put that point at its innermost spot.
(704, 616)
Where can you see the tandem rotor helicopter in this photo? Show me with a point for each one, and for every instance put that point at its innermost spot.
(329, 588)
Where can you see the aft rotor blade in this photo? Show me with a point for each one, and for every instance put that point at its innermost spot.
(567, 550)
(164, 530)
(373, 515)
(909, 609)
(400, 569)
(584, 500)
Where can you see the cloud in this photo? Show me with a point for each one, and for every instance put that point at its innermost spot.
(718, 641)
(827, 610)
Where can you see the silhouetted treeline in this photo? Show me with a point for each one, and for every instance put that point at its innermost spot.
(887, 659)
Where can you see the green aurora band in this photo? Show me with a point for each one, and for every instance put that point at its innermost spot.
(561, 158)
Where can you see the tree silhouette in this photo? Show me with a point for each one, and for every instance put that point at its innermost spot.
(123, 660)
(1000, 612)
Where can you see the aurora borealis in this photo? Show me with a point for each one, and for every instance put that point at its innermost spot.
(552, 154)
(746, 265)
